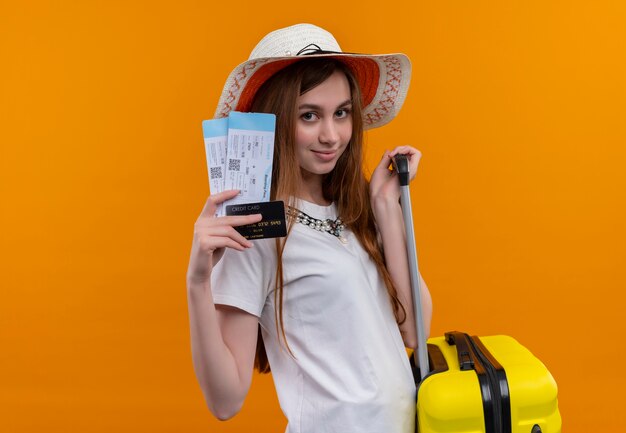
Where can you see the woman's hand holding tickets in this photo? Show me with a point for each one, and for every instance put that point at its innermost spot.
(213, 234)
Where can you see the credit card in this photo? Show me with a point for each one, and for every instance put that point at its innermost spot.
(271, 226)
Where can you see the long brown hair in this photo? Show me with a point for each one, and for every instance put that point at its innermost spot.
(345, 185)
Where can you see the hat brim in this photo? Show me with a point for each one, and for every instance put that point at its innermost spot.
(383, 80)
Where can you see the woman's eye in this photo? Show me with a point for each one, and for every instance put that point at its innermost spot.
(342, 113)
(308, 116)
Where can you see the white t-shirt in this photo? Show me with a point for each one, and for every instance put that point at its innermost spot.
(350, 372)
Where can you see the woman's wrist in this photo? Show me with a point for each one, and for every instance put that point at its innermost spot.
(384, 205)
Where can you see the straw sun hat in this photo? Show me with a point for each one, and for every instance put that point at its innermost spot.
(383, 79)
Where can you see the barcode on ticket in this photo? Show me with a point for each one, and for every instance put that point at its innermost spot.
(215, 172)
(234, 165)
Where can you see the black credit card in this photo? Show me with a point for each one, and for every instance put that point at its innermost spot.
(271, 226)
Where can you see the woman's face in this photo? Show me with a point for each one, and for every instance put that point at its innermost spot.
(324, 125)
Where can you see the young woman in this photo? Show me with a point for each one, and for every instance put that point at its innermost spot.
(330, 305)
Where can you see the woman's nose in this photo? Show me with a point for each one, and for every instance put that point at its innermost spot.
(328, 132)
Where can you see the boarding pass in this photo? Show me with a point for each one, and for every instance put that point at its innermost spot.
(239, 152)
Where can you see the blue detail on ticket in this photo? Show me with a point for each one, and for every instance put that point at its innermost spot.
(252, 121)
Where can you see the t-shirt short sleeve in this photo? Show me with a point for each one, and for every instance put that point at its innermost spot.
(243, 279)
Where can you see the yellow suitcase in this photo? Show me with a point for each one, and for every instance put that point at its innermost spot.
(475, 385)
(487, 384)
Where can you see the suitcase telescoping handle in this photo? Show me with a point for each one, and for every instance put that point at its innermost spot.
(401, 165)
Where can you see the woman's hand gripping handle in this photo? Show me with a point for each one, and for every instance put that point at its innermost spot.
(385, 198)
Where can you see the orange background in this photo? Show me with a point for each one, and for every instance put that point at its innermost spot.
(519, 109)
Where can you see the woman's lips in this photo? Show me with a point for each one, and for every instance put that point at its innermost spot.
(325, 155)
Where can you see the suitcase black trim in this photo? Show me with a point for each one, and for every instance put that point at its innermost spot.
(437, 363)
(473, 355)
(490, 388)
(471, 359)
(502, 384)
